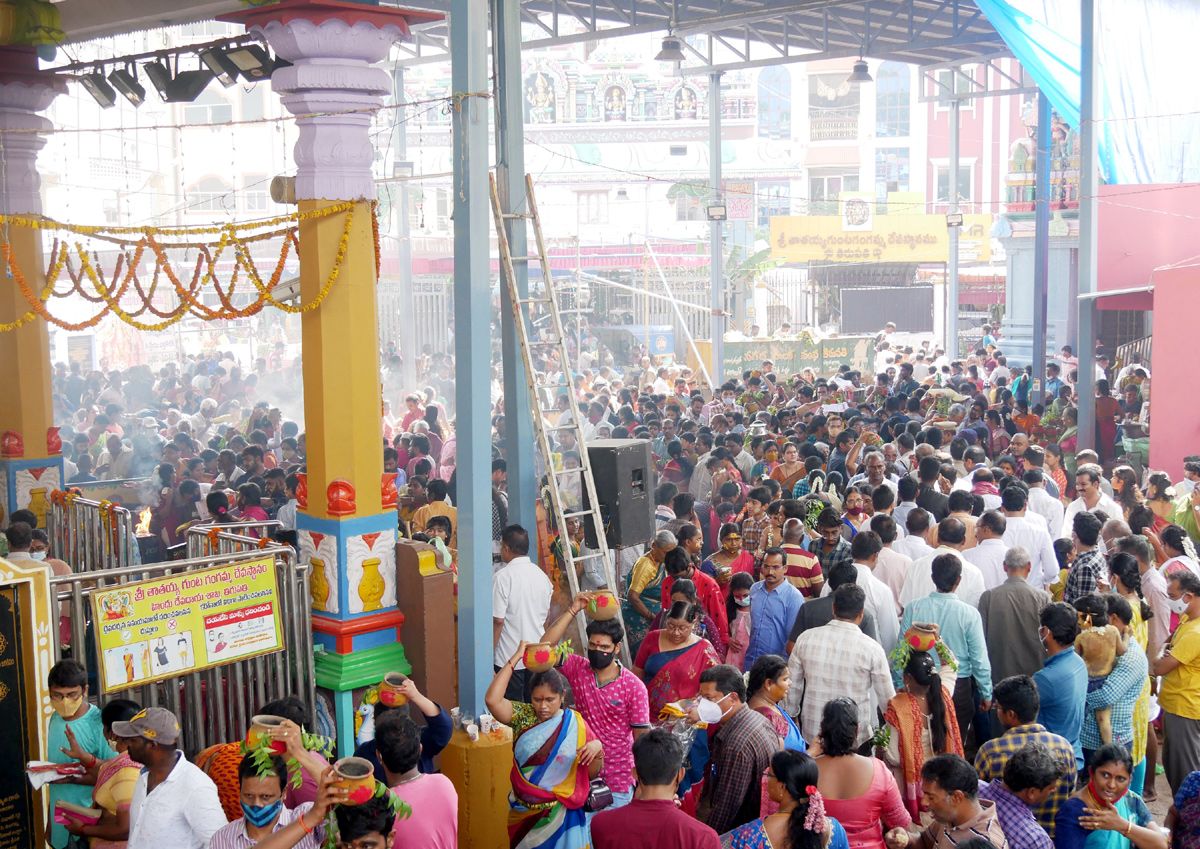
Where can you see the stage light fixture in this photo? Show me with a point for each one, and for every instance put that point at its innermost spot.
(99, 88)
(160, 75)
(222, 66)
(125, 81)
(252, 61)
(187, 86)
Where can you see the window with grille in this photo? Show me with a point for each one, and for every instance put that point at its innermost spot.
(211, 194)
(775, 103)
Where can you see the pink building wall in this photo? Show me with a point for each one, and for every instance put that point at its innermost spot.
(1175, 409)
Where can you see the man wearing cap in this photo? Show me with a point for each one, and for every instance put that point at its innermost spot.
(174, 803)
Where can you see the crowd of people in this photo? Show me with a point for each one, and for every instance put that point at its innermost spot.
(910, 610)
(907, 609)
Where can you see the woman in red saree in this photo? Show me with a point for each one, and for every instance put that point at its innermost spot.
(670, 661)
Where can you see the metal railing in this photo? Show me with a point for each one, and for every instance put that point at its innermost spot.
(1137, 346)
(230, 537)
(214, 705)
(91, 535)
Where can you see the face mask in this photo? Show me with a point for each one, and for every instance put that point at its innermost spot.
(742, 602)
(728, 402)
(262, 815)
(38, 555)
(854, 511)
(600, 659)
(710, 712)
(66, 708)
(1178, 606)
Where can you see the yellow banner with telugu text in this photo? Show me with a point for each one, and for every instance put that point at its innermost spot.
(800, 239)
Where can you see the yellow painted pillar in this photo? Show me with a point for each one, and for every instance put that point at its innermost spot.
(346, 531)
(480, 772)
(342, 395)
(30, 449)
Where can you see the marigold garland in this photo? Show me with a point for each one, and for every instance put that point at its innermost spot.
(233, 239)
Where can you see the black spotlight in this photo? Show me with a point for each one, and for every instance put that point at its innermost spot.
(222, 66)
(125, 81)
(99, 88)
(160, 76)
(252, 61)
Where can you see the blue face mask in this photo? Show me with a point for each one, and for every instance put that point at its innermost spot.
(262, 815)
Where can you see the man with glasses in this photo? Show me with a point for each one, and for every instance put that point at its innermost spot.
(741, 751)
(774, 604)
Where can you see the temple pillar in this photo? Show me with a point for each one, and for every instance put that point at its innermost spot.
(31, 464)
(347, 522)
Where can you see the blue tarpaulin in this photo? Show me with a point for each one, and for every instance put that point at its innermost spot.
(1149, 103)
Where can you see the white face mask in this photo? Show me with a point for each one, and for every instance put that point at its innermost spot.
(38, 555)
(710, 712)
(1179, 605)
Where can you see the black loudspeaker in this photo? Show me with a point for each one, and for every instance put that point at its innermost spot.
(624, 472)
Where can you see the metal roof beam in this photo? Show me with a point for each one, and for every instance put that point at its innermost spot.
(906, 52)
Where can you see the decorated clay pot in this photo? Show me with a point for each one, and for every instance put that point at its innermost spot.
(389, 690)
(920, 637)
(53, 441)
(539, 657)
(260, 726)
(358, 776)
(302, 489)
(602, 607)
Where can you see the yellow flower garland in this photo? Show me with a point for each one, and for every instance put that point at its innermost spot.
(158, 241)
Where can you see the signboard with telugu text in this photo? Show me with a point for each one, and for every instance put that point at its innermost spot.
(798, 239)
(186, 622)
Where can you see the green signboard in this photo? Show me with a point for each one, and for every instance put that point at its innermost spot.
(792, 356)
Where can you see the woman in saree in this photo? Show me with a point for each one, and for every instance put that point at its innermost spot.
(1054, 465)
(768, 463)
(670, 661)
(922, 723)
(801, 822)
(791, 470)
(1126, 579)
(115, 781)
(679, 468)
(685, 590)
(768, 684)
(1126, 492)
(1160, 498)
(1104, 814)
(555, 756)
(1184, 816)
(731, 559)
(643, 601)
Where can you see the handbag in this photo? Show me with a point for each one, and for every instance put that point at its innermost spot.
(599, 796)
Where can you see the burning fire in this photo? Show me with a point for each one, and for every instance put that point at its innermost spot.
(143, 525)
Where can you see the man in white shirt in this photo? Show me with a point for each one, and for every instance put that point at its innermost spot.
(906, 496)
(880, 603)
(1087, 485)
(1041, 502)
(892, 567)
(952, 536)
(1191, 476)
(1025, 529)
(520, 604)
(174, 803)
(914, 546)
(988, 553)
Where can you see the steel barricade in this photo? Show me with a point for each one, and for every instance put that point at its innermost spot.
(91, 535)
(214, 705)
(210, 539)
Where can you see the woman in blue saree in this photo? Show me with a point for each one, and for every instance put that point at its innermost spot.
(801, 822)
(1104, 813)
(555, 756)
